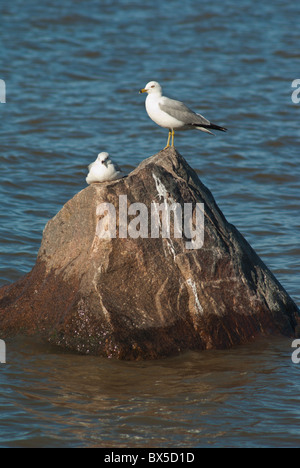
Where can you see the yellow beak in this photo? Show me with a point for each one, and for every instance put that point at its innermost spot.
(143, 90)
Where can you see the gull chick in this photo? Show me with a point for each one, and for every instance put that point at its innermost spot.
(103, 169)
(174, 115)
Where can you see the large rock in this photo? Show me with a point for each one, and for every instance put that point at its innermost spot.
(145, 297)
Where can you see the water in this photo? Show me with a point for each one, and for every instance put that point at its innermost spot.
(72, 71)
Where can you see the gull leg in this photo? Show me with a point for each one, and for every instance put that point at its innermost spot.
(168, 142)
(173, 137)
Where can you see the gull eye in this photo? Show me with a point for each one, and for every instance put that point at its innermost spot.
(153, 86)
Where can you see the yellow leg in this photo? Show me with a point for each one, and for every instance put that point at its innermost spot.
(173, 137)
(168, 142)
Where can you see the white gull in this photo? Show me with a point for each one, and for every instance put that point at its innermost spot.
(174, 115)
(103, 169)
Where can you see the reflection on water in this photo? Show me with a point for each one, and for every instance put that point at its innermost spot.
(243, 397)
(73, 70)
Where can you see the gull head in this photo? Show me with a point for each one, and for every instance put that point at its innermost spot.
(103, 157)
(151, 88)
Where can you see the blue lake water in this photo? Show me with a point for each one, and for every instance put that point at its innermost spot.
(72, 72)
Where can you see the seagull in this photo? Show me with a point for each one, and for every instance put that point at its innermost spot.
(103, 169)
(174, 115)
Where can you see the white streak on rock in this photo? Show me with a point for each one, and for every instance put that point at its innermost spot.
(192, 285)
(163, 194)
(161, 189)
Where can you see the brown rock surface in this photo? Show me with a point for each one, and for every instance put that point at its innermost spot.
(145, 297)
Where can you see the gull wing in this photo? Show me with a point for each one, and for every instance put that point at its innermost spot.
(181, 112)
(117, 167)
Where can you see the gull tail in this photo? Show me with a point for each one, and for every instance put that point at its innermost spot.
(210, 126)
(217, 127)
